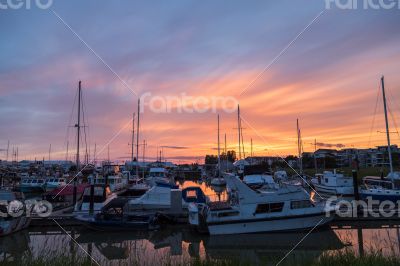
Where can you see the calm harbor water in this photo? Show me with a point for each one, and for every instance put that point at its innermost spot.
(180, 244)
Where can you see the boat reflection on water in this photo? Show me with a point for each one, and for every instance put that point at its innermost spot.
(182, 241)
(271, 247)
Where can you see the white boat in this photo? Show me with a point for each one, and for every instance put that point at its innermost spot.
(55, 182)
(250, 211)
(381, 189)
(102, 196)
(167, 199)
(157, 175)
(117, 182)
(333, 184)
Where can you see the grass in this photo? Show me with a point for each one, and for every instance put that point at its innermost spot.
(346, 257)
(350, 258)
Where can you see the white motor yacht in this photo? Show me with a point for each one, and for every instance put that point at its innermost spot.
(250, 211)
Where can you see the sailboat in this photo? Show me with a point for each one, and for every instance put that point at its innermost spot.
(387, 188)
(219, 180)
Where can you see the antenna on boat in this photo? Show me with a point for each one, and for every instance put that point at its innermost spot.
(387, 126)
(78, 128)
(137, 140)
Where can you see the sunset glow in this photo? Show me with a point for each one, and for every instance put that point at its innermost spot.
(329, 78)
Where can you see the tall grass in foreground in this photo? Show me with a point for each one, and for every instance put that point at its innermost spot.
(341, 258)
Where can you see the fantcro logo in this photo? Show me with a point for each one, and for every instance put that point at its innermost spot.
(26, 4)
(16, 208)
(362, 4)
(187, 104)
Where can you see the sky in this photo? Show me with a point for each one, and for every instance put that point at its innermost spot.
(281, 60)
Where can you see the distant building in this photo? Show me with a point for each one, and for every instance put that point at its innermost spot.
(357, 158)
(262, 159)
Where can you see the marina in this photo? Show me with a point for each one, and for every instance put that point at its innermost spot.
(179, 243)
(199, 133)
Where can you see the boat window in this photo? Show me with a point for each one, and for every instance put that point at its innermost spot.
(61, 180)
(228, 214)
(269, 207)
(40, 181)
(300, 204)
(191, 194)
(326, 180)
(34, 181)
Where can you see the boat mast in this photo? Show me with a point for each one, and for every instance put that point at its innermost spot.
(241, 134)
(219, 159)
(49, 152)
(94, 154)
(251, 151)
(226, 155)
(66, 155)
(299, 147)
(8, 148)
(133, 137)
(144, 154)
(315, 156)
(137, 140)
(78, 128)
(387, 126)
(238, 121)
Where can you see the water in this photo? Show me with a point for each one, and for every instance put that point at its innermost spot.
(179, 244)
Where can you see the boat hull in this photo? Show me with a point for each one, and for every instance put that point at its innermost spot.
(117, 224)
(380, 195)
(343, 192)
(269, 225)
